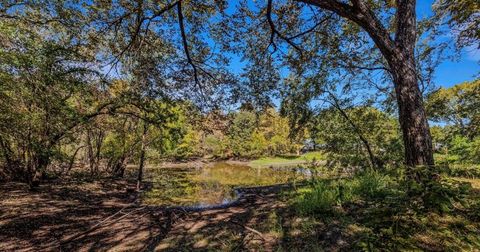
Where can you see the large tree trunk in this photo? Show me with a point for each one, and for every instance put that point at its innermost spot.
(413, 120)
(37, 168)
(400, 55)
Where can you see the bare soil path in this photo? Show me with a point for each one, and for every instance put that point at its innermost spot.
(101, 216)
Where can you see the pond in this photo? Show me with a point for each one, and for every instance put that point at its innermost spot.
(211, 185)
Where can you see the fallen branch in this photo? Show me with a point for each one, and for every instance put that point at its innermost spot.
(250, 229)
(102, 222)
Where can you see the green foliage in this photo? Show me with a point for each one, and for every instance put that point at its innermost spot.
(246, 134)
(429, 190)
(343, 144)
(216, 146)
(458, 142)
(320, 198)
(463, 170)
(240, 133)
(462, 17)
(458, 105)
(384, 211)
(324, 195)
(432, 192)
(47, 90)
(188, 146)
(373, 184)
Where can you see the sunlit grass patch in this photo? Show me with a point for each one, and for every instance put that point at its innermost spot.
(474, 182)
(324, 195)
(375, 210)
(288, 160)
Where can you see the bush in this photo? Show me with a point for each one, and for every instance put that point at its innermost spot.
(320, 198)
(459, 170)
(429, 191)
(372, 184)
(432, 191)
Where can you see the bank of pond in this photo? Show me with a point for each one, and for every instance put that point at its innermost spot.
(213, 184)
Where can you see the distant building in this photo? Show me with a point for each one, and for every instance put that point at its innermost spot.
(310, 145)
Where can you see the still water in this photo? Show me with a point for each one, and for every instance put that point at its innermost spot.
(211, 185)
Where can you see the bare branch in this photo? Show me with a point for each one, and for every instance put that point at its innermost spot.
(365, 18)
(186, 49)
(140, 20)
(185, 43)
(275, 31)
(311, 29)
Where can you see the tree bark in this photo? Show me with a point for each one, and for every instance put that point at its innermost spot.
(142, 156)
(400, 55)
(38, 166)
(413, 120)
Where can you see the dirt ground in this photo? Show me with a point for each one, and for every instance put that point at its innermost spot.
(102, 216)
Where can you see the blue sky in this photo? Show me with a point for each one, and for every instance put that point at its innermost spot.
(450, 72)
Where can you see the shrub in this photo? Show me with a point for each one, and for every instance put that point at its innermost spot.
(463, 170)
(435, 192)
(320, 198)
(372, 184)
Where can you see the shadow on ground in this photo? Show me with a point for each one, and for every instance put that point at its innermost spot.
(102, 216)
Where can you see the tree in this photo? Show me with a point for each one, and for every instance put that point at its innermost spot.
(458, 105)
(48, 91)
(398, 52)
(240, 133)
(190, 25)
(344, 133)
(462, 16)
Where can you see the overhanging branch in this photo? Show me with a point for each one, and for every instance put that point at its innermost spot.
(274, 31)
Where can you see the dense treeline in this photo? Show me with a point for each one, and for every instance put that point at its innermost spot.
(457, 137)
(107, 84)
(110, 138)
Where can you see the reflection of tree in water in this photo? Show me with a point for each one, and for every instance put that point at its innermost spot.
(211, 185)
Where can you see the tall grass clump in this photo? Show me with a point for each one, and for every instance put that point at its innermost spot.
(372, 184)
(323, 196)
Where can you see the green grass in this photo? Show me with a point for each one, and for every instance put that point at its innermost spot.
(372, 212)
(324, 195)
(287, 160)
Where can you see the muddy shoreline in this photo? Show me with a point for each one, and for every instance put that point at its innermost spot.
(102, 215)
(197, 163)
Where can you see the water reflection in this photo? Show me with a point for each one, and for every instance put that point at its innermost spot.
(212, 184)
